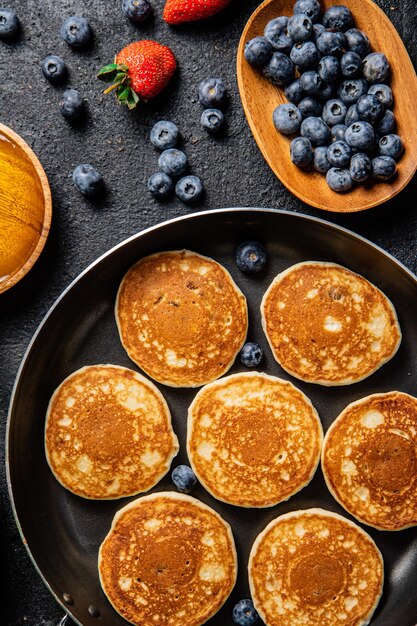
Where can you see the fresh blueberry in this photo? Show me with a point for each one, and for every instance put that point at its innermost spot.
(300, 27)
(164, 135)
(173, 162)
(334, 112)
(189, 189)
(160, 185)
(339, 154)
(338, 17)
(386, 124)
(311, 8)
(318, 29)
(375, 67)
(136, 10)
(280, 69)
(316, 130)
(352, 115)
(258, 51)
(212, 120)
(304, 54)
(352, 89)
(338, 132)
(54, 68)
(310, 107)
(383, 167)
(326, 91)
(351, 64)
(329, 68)
(251, 354)
(277, 35)
(358, 42)
(184, 478)
(212, 93)
(287, 118)
(244, 613)
(369, 108)
(301, 152)
(311, 82)
(331, 43)
(360, 167)
(339, 180)
(72, 105)
(383, 93)
(250, 257)
(9, 23)
(392, 146)
(88, 180)
(76, 31)
(321, 162)
(294, 92)
(360, 136)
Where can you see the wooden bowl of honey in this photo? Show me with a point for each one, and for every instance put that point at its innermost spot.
(25, 208)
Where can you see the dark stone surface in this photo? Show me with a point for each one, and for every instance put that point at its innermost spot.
(116, 141)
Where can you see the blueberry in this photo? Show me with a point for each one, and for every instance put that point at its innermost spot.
(360, 167)
(339, 154)
(173, 162)
(318, 29)
(352, 115)
(76, 31)
(189, 189)
(184, 478)
(258, 51)
(338, 17)
(160, 185)
(212, 93)
(301, 152)
(212, 120)
(250, 257)
(277, 35)
(304, 54)
(329, 68)
(294, 92)
(375, 67)
(311, 8)
(72, 104)
(300, 27)
(244, 613)
(54, 68)
(251, 354)
(164, 135)
(321, 162)
(392, 146)
(360, 136)
(358, 42)
(311, 82)
(369, 108)
(383, 167)
(351, 64)
(316, 130)
(339, 180)
(88, 180)
(332, 43)
(326, 91)
(287, 119)
(136, 10)
(280, 69)
(383, 93)
(310, 107)
(9, 23)
(386, 124)
(352, 89)
(338, 132)
(334, 112)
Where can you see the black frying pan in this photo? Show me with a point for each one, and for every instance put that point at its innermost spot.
(61, 531)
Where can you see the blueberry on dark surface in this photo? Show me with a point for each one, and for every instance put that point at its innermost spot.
(351, 65)
(339, 179)
(360, 136)
(258, 51)
(54, 68)
(212, 120)
(287, 118)
(352, 115)
(352, 89)
(320, 161)
(329, 68)
(331, 43)
(338, 132)
(244, 613)
(383, 167)
(137, 10)
(369, 108)
(375, 67)
(280, 69)
(304, 54)
(160, 185)
(189, 189)
(311, 82)
(9, 23)
(392, 146)
(300, 27)
(250, 257)
(251, 354)
(360, 167)
(173, 162)
(277, 35)
(339, 154)
(310, 107)
(184, 478)
(164, 135)
(301, 152)
(338, 17)
(386, 124)
(311, 8)
(383, 93)
(316, 131)
(76, 31)
(334, 112)
(212, 93)
(358, 42)
(72, 105)
(294, 92)
(88, 180)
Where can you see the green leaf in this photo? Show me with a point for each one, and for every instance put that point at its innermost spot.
(111, 71)
(123, 93)
(132, 100)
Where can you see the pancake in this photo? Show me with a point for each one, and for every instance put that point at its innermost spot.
(328, 325)
(253, 440)
(181, 318)
(370, 460)
(168, 559)
(108, 433)
(314, 567)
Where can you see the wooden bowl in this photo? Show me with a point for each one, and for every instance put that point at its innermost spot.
(25, 208)
(259, 98)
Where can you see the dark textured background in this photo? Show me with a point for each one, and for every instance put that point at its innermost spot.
(116, 141)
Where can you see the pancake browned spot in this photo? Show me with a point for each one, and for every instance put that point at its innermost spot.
(181, 318)
(314, 567)
(108, 433)
(328, 325)
(370, 460)
(253, 440)
(168, 559)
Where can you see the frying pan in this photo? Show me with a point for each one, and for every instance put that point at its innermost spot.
(61, 531)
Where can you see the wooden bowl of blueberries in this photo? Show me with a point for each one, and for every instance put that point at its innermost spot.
(329, 92)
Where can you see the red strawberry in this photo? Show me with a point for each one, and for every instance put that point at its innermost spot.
(177, 11)
(139, 72)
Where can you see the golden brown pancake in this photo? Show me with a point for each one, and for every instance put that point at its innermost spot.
(328, 325)
(108, 433)
(181, 318)
(315, 568)
(370, 460)
(253, 440)
(168, 560)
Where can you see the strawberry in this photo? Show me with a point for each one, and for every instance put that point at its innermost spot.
(178, 11)
(140, 71)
